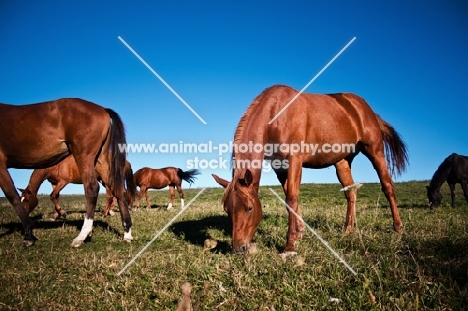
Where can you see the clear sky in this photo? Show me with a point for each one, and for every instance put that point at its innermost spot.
(409, 61)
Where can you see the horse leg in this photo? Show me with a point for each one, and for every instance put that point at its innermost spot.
(103, 169)
(452, 193)
(148, 206)
(343, 172)
(375, 153)
(465, 189)
(172, 192)
(91, 188)
(291, 186)
(140, 194)
(8, 188)
(110, 203)
(181, 196)
(54, 197)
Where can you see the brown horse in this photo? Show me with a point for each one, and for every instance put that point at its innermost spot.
(41, 135)
(150, 178)
(315, 131)
(63, 173)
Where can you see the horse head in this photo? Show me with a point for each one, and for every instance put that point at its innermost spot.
(434, 196)
(28, 199)
(243, 207)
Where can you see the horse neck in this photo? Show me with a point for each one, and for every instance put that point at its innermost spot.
(244, 154)
(37, 178)
(441, 174)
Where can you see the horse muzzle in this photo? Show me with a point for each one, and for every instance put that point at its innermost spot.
(240, 247)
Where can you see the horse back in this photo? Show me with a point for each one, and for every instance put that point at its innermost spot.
(39, 135)
(155, 178)
(459, 168)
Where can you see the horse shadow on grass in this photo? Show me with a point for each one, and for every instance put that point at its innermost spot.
(40, 223)
(443, 260)
(196, 231)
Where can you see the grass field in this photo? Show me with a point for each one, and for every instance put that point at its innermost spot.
(425, 268)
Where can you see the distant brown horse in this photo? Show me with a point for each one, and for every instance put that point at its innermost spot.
(151, 178)
(41, 135)
(63, 173)
(338, 126)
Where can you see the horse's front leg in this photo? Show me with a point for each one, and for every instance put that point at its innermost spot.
(452, 193)
(172, 192)
(8, 188)
(54, 197)
(343, 172)
(291, 186)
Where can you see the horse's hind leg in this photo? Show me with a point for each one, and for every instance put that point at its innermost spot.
(181, 195)
(343, 172)
(103, 169)
(375, 153)
(465, 189)
(8, 188)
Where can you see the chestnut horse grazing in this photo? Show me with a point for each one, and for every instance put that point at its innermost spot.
(315, 131)
(454, 169)
(41, 135)
(152, 178)
(63, 173)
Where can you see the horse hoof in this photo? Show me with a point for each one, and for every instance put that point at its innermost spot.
(76, 243)
(128, 240)
(287, 254)
(398, 228)
(28, 243)
(348, 230)
(111, 213)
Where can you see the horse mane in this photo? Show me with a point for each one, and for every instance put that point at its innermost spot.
(239, 133)
(440, 175)
(247, 115)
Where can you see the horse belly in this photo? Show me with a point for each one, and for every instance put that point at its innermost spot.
(35, 156)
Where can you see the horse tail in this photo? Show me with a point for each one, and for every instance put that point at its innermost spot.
(396, 152)
(131, 192)
(188, 176)
(117, 163)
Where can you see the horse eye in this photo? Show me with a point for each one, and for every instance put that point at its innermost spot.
(250, 208)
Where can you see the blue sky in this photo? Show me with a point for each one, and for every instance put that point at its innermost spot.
(409, 61)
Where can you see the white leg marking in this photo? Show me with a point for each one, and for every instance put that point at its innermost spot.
(169, 206)
(85, 231)
(182, 204)
(128, 235)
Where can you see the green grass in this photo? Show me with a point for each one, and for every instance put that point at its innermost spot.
(425, 268)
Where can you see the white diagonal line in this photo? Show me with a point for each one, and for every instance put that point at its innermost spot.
(162, 80)
(316, 234)
(159, 233)
(313, 79)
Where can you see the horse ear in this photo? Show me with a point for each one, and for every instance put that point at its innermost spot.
(220, 181)
(21, 190)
